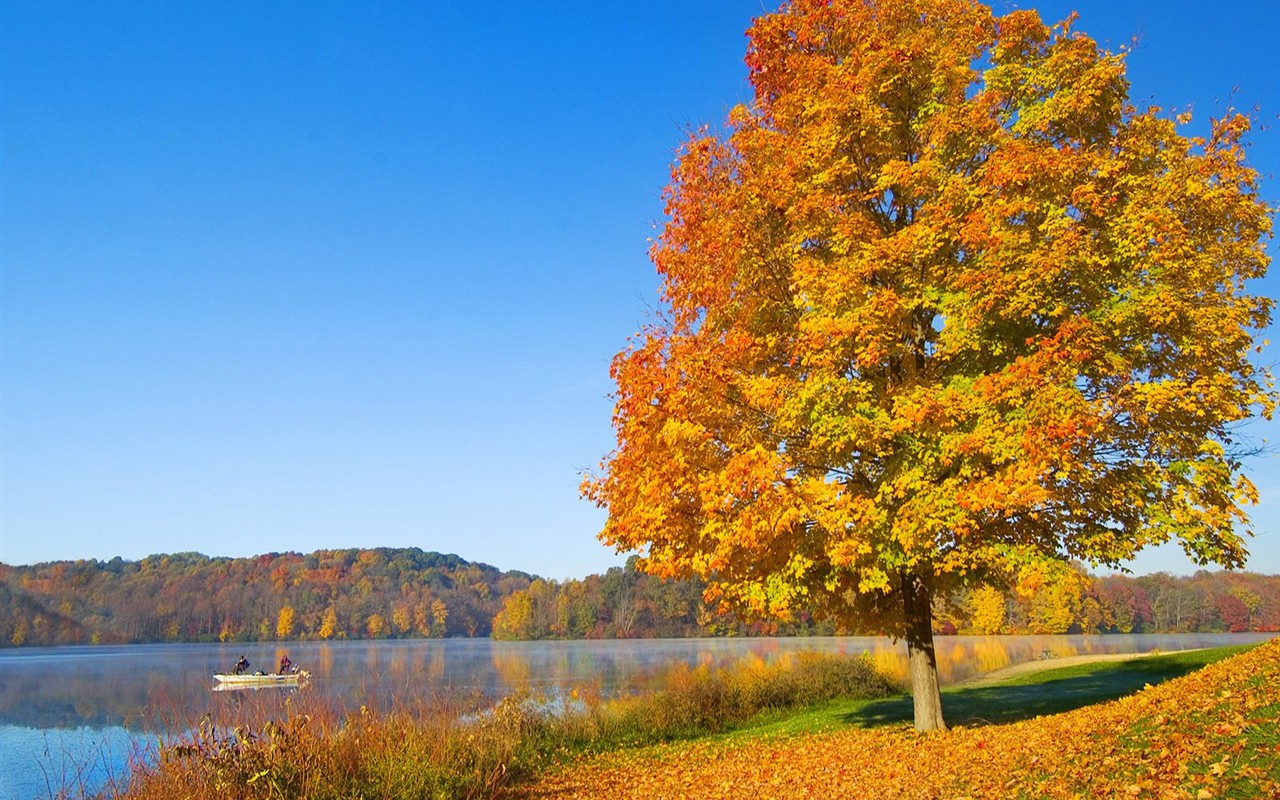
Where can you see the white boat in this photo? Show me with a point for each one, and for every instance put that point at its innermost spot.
(230, 680)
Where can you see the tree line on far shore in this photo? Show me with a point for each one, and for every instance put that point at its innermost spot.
(188, 597)
(625, 603)
(387, 593)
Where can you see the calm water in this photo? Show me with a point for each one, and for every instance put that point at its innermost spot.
(73, 716)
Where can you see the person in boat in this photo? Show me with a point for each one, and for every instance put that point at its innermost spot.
(285, 665)
(241, 666)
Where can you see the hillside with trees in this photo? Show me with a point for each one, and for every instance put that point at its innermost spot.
(189, 597)
(408, 593)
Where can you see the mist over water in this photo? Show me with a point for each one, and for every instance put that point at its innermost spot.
(74, 716)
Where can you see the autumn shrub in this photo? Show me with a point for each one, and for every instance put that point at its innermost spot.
(702, 699)
(434, 750)
(448, 749)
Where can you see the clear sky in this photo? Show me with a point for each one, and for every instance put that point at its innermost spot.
(288, 276)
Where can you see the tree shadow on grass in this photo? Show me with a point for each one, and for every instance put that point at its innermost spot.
(1052, 692)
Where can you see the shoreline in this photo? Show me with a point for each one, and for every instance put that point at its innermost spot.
(1028, 667)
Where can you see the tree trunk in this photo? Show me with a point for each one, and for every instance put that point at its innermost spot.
(921, 660)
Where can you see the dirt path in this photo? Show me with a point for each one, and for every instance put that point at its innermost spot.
(1026, 667)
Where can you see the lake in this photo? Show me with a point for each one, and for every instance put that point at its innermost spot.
(73, 716)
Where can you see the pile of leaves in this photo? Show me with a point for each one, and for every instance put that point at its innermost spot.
(1214, 733)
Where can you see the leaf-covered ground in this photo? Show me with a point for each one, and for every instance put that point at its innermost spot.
(1214, 733)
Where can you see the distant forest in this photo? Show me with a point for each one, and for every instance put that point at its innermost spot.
(188, 597)
(408, 593)
(624, 603)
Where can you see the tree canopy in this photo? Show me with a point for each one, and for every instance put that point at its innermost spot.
(940, 306)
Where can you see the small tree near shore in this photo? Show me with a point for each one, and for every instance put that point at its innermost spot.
(941, 306)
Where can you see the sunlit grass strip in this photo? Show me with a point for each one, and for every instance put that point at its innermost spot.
(699, 700)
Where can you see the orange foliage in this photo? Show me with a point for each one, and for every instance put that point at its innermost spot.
(1214, 733)
(941, 305)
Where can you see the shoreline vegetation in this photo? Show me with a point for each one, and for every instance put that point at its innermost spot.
(1202, 723)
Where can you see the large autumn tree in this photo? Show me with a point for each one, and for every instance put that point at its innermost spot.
(941, 306)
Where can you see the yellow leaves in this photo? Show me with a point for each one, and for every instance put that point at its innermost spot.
(675, 432)
(937, 286)
(1162, 742)
(873, 580)
(986, 606)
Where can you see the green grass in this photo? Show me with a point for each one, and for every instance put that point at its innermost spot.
(699, 701)
(315, 753)
(1049, 691)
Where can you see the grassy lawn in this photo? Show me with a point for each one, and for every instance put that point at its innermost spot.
(1032, 694)
(1208, 727)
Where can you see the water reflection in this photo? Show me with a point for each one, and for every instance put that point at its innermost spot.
(152, 689)
(152, 686)
(35, 763)
(258, 687)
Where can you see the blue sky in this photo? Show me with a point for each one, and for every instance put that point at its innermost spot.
(297, 276)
